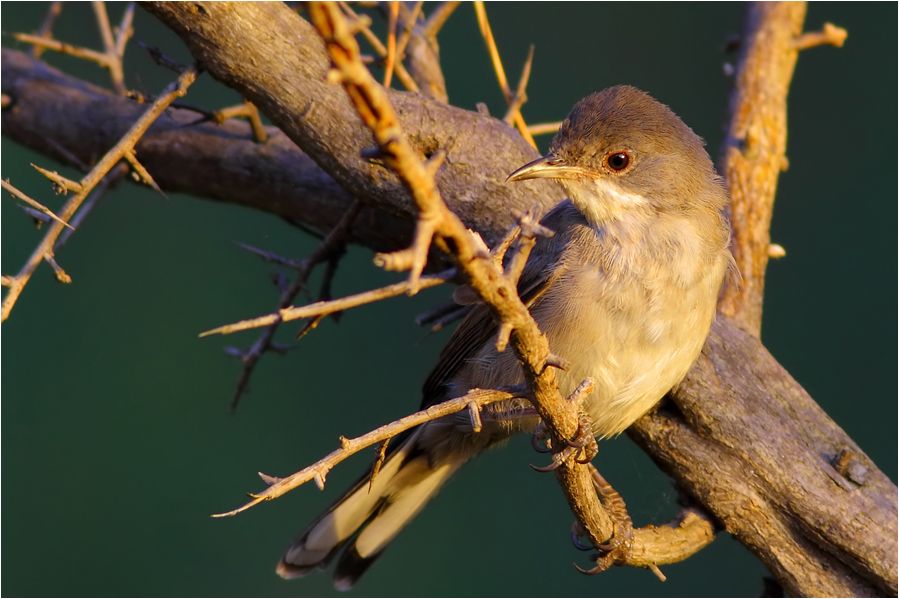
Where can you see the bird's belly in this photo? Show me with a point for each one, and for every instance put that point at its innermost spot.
(635, 343)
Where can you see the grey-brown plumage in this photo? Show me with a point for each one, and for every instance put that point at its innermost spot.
(625, 291)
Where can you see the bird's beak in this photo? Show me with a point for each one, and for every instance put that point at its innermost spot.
(546, 167)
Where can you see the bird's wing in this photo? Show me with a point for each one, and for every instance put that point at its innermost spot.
(479, 325)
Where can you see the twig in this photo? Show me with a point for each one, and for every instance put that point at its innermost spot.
(46, 30)
(114, 45)
(544, 128)
(362, 23)
(409, 24)
(487, 34)
(348, 447)
(90, 180)
(33, 203)
(438, 18)
(331, 244)
(520, 96)
(437, 221)
(245, 110)
(330, 307)
(394, 12)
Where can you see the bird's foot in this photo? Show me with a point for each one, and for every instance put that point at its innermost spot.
(582, 448)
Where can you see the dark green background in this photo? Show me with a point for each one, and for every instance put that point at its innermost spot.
(117, 443)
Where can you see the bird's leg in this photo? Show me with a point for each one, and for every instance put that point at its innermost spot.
(617, 547)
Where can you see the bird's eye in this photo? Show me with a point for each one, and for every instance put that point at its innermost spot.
(618, 161)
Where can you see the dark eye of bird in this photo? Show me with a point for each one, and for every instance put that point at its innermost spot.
(618, 161)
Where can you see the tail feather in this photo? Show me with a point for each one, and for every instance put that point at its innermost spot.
(364, 521)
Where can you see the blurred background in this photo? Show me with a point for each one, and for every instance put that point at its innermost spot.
(117, 440)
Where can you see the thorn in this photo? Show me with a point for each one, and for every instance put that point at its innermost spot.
(830, 35)
(776, 251)
(655, 570)
(319, 481)
(61, 184)
(502, 337)
(344, 442)
(269, 479)
(474, 412)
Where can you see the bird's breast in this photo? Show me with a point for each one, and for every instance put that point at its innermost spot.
(632, 321)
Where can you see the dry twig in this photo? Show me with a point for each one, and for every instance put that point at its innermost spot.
(114, 44)
(363, 22)
(89, 182)
(246, 110)
(327, 308)
(46, 29)
(544, 128)
(332, 244)
(318, 471)
(487, 34)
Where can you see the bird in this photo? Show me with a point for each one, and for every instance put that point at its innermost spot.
(625, 291)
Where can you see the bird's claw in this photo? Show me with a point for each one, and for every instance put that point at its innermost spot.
(583, 447)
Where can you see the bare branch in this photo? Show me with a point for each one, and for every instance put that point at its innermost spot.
(46, 29)
(348, 447)
(544, 128)
(246, 110)
(106, 163)
(333, 306)
(363, 22)
(487, 34)
(438, 17)
(331, 244)
(394, 11)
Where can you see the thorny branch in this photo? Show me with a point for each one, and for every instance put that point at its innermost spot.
(120, 151)
(473, 401)
(511, 99)
(33, 203)
(113, 43)
(331, 245)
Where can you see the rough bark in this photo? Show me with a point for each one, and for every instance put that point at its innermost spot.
(740, 435)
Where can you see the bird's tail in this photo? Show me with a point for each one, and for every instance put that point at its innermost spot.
(364, 521)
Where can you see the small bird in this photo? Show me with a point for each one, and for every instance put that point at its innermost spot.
(625, 292)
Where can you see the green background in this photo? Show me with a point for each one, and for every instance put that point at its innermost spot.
(117, 442)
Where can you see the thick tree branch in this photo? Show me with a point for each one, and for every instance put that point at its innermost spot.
(277, 61)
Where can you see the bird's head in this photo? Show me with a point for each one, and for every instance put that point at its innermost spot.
(621, 152)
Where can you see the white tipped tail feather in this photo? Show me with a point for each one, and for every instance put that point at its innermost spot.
(364, 521)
